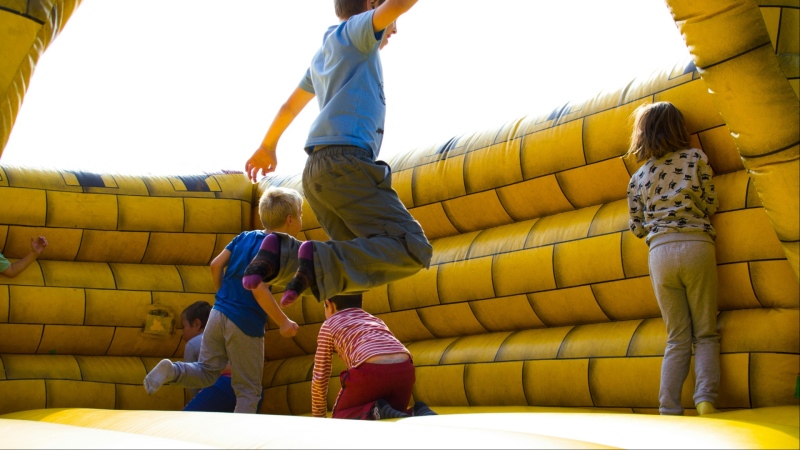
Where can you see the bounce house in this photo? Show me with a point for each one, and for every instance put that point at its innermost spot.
(536, 325)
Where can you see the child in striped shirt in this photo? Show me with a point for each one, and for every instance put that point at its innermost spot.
(380, 374)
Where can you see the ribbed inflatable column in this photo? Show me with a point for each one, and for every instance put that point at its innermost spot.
(26, 30)
(731, 48)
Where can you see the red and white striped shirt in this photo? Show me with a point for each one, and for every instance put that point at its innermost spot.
(356, 336)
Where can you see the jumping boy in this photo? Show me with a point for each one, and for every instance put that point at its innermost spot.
(235, 328)
(380, 374)
(374, 239)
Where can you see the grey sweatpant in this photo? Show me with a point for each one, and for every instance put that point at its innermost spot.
(223, 341)
(374, 239)
(684, 277)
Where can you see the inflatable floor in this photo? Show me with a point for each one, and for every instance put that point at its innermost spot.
(536, 325)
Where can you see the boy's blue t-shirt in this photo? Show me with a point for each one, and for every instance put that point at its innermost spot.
(346, 76)
(232, 299)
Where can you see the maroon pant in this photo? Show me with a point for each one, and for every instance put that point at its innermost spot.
(363, 385)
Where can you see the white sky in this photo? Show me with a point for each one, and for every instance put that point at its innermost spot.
(190, 86)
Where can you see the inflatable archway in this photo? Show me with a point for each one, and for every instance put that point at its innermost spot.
(535, 326)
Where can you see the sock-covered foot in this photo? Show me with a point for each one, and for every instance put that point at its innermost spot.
(704, 408)
(265, 266)
(383, 410)
(162, 373)
(422, 409)
(304, 277)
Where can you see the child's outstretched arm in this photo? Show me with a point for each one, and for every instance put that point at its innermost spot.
(288, 327)
(264, 159)
(388, 12)
(37, 247)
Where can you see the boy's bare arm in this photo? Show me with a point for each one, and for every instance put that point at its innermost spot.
(264, 159)
(37, 247)
(388, 12)
(218, 265)
(288, 327)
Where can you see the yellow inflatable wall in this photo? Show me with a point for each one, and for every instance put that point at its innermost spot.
(536, 325)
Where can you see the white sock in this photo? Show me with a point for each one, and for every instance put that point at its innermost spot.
(162, 373)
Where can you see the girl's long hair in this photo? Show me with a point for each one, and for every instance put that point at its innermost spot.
(658, 129)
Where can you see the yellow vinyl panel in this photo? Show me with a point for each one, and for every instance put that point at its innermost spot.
(77, 274)
(32, 276)
(532, 344)
(277, 347)
(434, 221)
(772, 379)
(504, 239)
(80, 394)
(137, 213)
(441, 385)
(524, 271)
(197, 279)
(2, 369)
(476, 212)
(306, 338)
(557, 383)
(82, 210)
(774, 284)
(300, 398)
(589, 260)
(134, 342)
(595, 184)
(402, 183)
(111, 369)
(659, 80)
(450, 320)
(562, 227)
(553, 150)
(745, 235)
(418, 290)
(270, 367)
(568, 306)
(293, 370)
(466, 280)
(496, 384)
(735, 381)
(477, 140)
(180, 248)
(780, 181)
(695, 103)
(453, 248)
(313, 310)
(374, 301)
(68, 239)
(4, 303)
(234, 185)
(144, 277)
(772, 20)
(550, 199)
(506, 313)
(59, 367)
(276, 401)
(439, 181)
(117, 307)
(75, 340)
(205, 215)
(788, 43)
(474, 349)
(734, 289)
(430, 352)
(19, 338)
(22, 395)
(635, 255)
(112, 246)
(24, 206)
(607, 134)
(759, 330)
(406, 326)
(625, 382)
(610, 218)
(628, 299)
(134, 397)
(493, 166)
(719, 146)
(174, 186)
(650, 338)
(598, 340)
(732, 191)
(46, 305)
(221, 242)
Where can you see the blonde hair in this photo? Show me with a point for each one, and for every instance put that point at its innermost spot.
(276, 204)
(658, 129)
